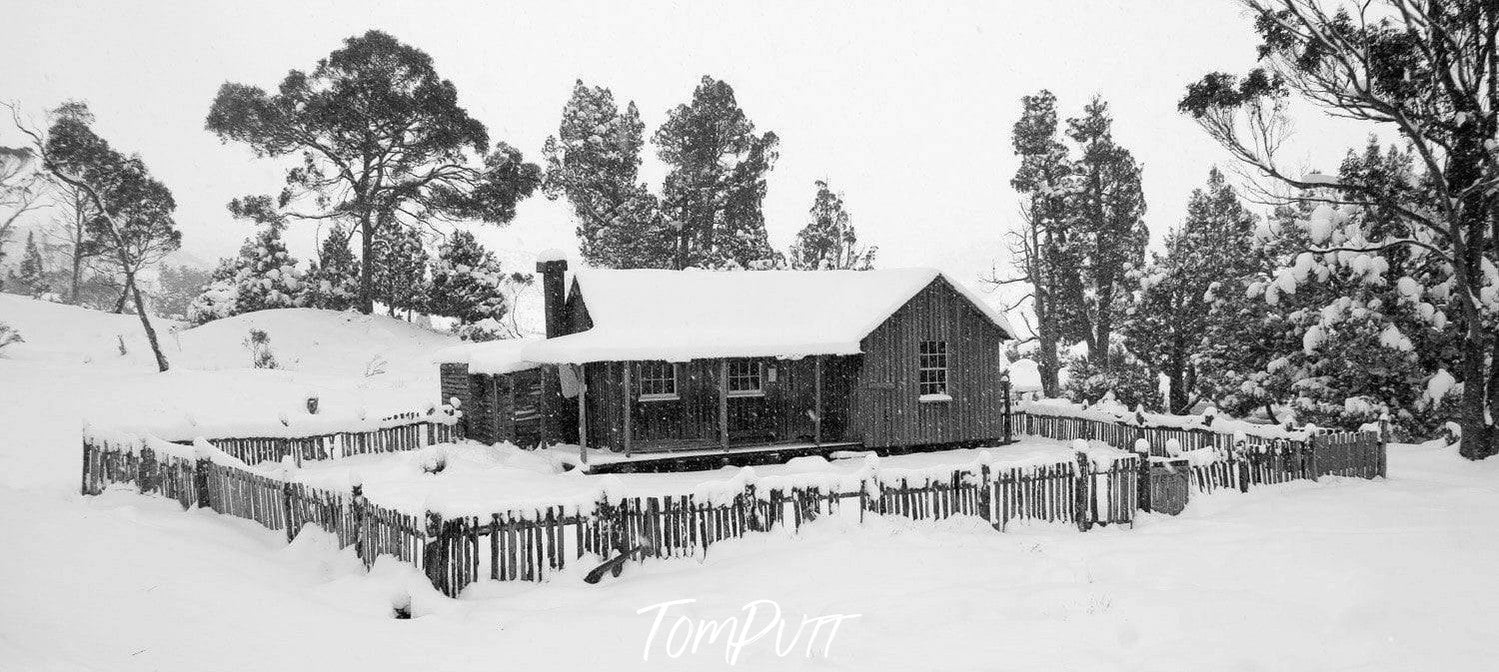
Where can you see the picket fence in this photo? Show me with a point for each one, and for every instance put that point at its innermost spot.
(534, 544)
(334, 445)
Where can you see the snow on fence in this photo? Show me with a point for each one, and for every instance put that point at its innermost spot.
(1098, 488)
(419, 432)
(1224, 454)
(534, 544)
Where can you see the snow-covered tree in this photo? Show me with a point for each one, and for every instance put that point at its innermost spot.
(467, 281)
(594, 162)
(829, 241)
(1426, 71)
(263, 277)
(400, 274)
(715, 184)
(332, 281)
(1106, 235)
(1212, 254)
(1038, 246)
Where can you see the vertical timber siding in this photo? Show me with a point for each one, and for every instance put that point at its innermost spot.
(888, 410)
(453, 382)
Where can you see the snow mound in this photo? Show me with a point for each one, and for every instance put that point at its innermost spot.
(306, 339)
(65, 334)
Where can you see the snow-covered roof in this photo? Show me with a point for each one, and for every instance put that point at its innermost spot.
(492, 357)
(682, 315)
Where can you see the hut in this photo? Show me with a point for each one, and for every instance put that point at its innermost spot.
(677, 363)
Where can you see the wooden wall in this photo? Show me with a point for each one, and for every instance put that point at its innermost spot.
(888, 412)
(782, 415)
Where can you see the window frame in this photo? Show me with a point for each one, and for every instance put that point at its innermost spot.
(756, 372)
(676, 381)
(935, 357)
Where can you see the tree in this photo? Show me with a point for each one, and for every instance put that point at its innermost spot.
(132, 219)
(1039, 247)
(381, 141)
(1106, 234)
(31, 278)
(332, 282)
(176, 288)
(401, 263)
(594, 161)
(715, 184)
(20, 190)
(467, 281)
(1430, 71)
(1212, 255)
(829, 241)
(264, 276)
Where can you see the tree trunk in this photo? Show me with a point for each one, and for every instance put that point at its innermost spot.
(366, 269)
(1104, 326)
(140, 309)
(120, 303)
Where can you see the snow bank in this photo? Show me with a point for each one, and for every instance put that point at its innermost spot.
(491, 357)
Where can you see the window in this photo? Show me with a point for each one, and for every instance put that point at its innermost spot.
(744, 378)
(658, 381)
(933, 375)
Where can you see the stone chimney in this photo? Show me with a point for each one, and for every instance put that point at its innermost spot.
(552, 265)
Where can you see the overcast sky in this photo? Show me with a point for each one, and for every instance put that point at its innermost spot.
(905, 108)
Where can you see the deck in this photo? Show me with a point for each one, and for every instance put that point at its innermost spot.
(609, 462)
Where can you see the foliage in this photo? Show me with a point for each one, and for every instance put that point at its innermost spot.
(829, 241)
(467, 281)
(381, 142)
(263, 277)
(30, 278)
(332, 281)
(400, 274)
(1124, 378)
(132, 223)
(177, 287)
(1211, 258)
(715, 184)
(594, 161)
(1428, 71)
(259, 345)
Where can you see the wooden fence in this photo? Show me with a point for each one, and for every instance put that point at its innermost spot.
(534, 544)
(399, 438)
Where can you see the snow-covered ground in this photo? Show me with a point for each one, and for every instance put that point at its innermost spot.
(1340, 574)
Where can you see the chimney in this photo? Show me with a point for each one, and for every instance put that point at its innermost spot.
(552, 265)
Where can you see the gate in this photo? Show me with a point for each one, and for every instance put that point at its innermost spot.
(1170, 481)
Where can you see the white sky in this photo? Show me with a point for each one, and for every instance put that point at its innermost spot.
(905, 107)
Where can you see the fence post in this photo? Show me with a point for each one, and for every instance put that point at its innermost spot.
(984, 493)
(1239, 454)
(435, 555)
(357, 504)
(1084, 493)
(1310, 463)
(754, 509)
(200, 482)
(286, 508)
(1143, 492)
(83, 488)
(145, 469)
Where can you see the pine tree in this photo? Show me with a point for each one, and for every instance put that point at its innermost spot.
(31, 276)
(1344, 338)
(400, 273)
(263, 277)
(715, 186)
(1039, 246)
(594, 161)
(1107, 234)
(1212, 255)
(829, 240)
(332, 282)
(467, 281)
